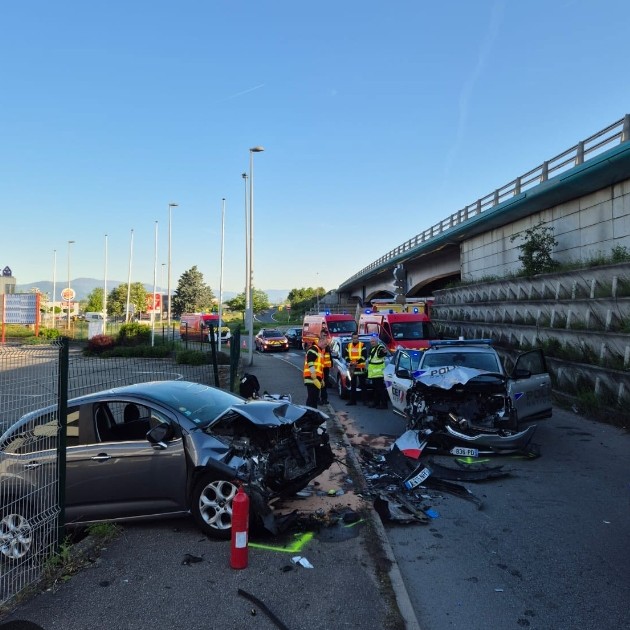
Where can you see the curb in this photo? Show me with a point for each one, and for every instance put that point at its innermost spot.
(401, 594)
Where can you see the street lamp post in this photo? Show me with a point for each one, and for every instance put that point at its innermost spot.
(54, 292)
(250, 341)
(162, 293)
(128, 306)
(68, 304)
(247, 271)
(221, 274)
(168, 289)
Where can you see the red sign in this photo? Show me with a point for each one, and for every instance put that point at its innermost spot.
(158, 302)
(68, 294)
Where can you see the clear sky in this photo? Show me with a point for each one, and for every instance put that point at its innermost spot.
(378, 120)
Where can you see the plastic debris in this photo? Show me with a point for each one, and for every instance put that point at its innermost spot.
(430, 512)
(302, 561)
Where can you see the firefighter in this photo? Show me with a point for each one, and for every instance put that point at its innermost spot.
(327, 364)
(314, 371)
(356, 356)
(375, 372)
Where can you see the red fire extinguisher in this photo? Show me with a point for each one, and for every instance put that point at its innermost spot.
(240, 530)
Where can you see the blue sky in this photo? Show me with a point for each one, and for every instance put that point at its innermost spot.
(378, 120)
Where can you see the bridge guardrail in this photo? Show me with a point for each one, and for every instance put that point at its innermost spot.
(617, 132)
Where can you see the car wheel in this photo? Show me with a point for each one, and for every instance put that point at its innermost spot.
(341, 390)
(17, 534)
(212, 506)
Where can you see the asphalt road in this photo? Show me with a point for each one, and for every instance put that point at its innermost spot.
(550, 547)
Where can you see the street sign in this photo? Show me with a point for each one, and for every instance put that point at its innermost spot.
(68, 294)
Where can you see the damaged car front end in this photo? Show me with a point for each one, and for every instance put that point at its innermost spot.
(465, 411)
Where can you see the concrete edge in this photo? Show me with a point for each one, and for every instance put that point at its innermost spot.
(401, 594)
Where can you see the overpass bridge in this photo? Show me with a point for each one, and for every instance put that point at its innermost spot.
(583, 194)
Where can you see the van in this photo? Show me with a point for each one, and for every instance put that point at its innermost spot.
(93, 317)
(336, 325)
(406, 326)
(196, 327)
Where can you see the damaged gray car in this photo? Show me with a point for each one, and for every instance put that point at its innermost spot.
(158, 449)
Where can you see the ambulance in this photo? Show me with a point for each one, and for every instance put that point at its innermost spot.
(399, 325)
(335, 324)
(196, 327)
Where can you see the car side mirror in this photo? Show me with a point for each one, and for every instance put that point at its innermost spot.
(159, 436)
(403, 373)
(521, 374)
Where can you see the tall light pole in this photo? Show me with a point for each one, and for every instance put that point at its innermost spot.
(168, 290)
(221, 274)
(155, 257)
(105, 290)
(162, 293)
(128, 306)
(250, 341)
(54, 292)
(247, 270)
(68, 305)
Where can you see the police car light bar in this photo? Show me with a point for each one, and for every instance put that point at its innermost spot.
(459, 342)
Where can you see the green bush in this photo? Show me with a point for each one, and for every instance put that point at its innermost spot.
(99, 344)
(146, 352)
(49, 333)
(134, 334)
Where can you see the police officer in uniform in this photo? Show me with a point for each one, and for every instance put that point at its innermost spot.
(375, 372)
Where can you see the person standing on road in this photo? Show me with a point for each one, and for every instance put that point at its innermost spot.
(375, 372)
(356, 356)
(327, 364)
(314, 371)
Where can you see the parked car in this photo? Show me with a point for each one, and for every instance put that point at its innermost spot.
(269, 339)
(294, 337)
(339, 375)
(528, 385)
(157, 449)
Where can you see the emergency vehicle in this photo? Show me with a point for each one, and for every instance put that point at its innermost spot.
(336, 324)
(196, 327)
(399, 325)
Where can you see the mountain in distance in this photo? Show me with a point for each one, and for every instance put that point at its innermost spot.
(84, 286)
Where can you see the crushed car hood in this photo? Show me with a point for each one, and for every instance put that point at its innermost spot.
(450, 376)
(265, 413)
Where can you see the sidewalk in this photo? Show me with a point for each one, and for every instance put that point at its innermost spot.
(166, 575)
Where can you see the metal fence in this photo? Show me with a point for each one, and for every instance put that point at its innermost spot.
(29, 379)
(34, 377)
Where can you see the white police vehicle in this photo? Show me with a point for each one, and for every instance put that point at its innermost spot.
(528, 385)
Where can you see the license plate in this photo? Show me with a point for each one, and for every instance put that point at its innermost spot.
(464, 452)
(416, 480)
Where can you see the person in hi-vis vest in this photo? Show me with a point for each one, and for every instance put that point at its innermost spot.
(314, 371)
(356, 356)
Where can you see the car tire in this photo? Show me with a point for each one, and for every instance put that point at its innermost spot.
(341, 390)
(211, 505)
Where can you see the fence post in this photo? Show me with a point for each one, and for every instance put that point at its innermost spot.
(62, 417)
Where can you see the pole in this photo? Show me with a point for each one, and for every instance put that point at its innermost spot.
(168, 290)
(129, 278)
(68, 304)
(221, 274)
(250, 339)
(154, 285)
(54, 300)
(247, 270)
(105, 290)
(162, 293)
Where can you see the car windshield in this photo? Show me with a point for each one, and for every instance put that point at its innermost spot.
(342, 327)
(477, 360)
(199, 403)
(272, 333)
(413, 330)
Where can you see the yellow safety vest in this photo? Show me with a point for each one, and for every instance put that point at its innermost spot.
(355, 353)
(376, 365)
(313, 358)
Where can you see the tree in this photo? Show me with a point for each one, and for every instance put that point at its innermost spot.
(305, 298)
(94, 301)
(192, 295)
(259, 298)
(536, 249)
(117, 299)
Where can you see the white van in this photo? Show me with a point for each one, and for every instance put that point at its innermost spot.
(93, 317)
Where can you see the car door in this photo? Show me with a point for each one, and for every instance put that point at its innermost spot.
(398, 379)
(532, 395)
(111, 474)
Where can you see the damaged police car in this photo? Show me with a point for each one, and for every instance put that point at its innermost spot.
(157, 449)
(528, 386)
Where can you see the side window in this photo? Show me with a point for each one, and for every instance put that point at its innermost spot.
(121, 421)
(532, 361)
(404, 361)
(72, 427)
